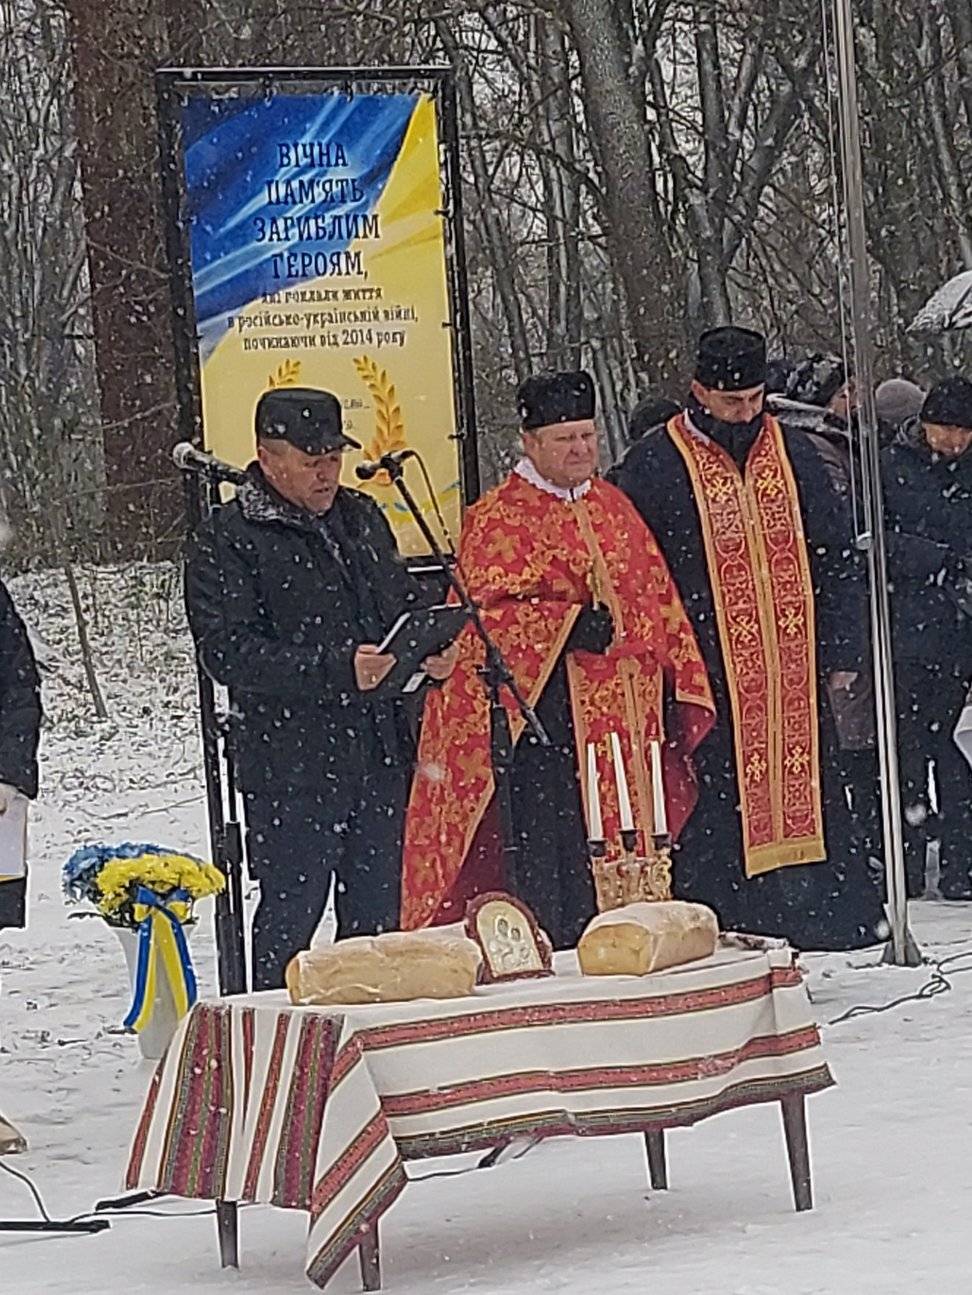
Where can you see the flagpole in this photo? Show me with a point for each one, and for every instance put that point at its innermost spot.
(901, 949)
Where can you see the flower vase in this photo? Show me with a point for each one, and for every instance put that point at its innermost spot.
(157, 1035)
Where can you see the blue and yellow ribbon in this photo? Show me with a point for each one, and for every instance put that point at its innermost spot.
(162, 950)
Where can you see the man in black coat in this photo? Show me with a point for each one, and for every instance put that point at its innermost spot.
(760, 547)
(20, 720)
(289, 589)
(927, 476)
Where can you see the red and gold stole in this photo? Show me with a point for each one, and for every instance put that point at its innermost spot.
(763, 594)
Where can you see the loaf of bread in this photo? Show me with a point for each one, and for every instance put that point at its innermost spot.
(640, 938)
(392, 968)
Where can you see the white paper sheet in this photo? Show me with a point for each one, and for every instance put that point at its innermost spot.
(13, 840)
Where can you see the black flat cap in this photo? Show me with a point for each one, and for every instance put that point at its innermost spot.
(548, 398)
(731, 359)
(304, 416)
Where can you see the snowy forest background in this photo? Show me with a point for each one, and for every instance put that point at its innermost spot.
(634, 170)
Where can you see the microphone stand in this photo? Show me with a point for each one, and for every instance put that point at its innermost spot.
(496, 675)
(224, 827)
(225, 834)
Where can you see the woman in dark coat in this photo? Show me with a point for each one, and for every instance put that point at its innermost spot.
(927, 476)
(20, 717)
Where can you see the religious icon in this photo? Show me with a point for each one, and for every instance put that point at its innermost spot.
(512, 944)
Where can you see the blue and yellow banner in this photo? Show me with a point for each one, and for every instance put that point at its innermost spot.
(318, 259)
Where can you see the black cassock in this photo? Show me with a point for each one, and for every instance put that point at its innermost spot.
(835, 904)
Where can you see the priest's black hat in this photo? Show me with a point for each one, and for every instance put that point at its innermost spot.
(949, 404)
(304, 416)
(731, 359)
(548, 398)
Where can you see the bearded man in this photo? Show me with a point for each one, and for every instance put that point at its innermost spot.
(578, 598)
(759, 543)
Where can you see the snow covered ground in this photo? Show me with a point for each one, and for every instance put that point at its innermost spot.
(892, 1143)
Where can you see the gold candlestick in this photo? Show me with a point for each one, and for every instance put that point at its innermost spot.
(660, 866)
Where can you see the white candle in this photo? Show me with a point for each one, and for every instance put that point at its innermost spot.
(595, 828)
(624, 800)
(659, 810)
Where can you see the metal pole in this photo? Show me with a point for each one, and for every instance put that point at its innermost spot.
(902, 950)
(222, 815)
(459, 292)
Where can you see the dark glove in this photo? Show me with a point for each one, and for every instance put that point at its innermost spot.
(593, 631)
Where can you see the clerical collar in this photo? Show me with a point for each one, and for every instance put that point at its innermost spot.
(528, 472)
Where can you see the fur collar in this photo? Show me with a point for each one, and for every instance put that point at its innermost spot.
(259, 502)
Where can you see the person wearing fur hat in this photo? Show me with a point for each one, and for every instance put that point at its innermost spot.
(760, 546)
(927, 478)
(579, 600)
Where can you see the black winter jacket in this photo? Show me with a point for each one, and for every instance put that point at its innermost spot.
(928, 512)
(278, 601)
(20, 701)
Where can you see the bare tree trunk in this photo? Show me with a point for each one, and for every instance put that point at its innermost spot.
(87, 656)
(949, 167)
(562, 191)
(636, 229)
(960, 18)
(116, 45)
(612, 417)
(501, 250)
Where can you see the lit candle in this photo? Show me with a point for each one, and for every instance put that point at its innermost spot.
(624, 800)
(595, 828)
(659, 811)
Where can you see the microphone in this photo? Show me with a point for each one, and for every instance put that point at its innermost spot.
(188, 458)
(387, 463)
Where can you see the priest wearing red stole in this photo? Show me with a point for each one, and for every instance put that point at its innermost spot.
(579, 600)
(761, 547)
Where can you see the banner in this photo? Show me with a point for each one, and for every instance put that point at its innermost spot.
(317, 258)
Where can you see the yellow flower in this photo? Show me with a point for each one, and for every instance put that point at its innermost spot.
(161, 873)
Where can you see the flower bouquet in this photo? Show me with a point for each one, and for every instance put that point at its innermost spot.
(146, 895)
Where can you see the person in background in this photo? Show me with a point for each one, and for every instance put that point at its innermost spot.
(581, 604)
(818, 401)
(760, 547)
(898, 402)
(289, 588)
(927, 477)
(650, 412)
(20, 721)
(778, 371)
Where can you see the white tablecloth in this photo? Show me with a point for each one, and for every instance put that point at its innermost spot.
(318, 1108)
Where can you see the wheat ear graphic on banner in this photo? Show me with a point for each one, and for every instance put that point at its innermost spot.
(389, 423)
(286, 375)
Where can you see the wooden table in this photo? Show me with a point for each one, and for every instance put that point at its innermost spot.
(318, 1109)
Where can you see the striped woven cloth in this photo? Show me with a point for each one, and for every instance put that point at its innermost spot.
(318, 1108)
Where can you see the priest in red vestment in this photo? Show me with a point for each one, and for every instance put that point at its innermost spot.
(580, 601)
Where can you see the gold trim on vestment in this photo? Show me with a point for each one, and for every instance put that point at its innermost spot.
(782, 761)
